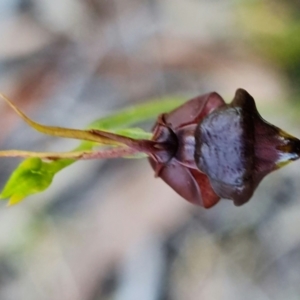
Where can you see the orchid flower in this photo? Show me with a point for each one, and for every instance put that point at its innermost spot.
(213, 150)
(204, 149)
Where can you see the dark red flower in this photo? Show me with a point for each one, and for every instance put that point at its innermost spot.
(207, 149)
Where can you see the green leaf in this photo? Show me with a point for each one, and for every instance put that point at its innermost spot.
(29, 178)
(137, 114)
(34, 175)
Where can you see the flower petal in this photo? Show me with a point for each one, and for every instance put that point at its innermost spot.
(188, 183)
(209, 197)
(193, 110)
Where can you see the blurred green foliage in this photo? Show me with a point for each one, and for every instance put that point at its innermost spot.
(273, 29)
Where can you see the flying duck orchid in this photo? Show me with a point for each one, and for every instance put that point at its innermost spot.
(204, 150)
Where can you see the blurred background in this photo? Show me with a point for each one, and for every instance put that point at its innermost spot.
(107, 229)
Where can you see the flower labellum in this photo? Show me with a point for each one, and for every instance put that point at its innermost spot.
(207, 150)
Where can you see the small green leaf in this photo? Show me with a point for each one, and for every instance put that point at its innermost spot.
(30, 177)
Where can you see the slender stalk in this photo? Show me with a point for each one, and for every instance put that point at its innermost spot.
(87, 135)
(145, 146)
(82, 155)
